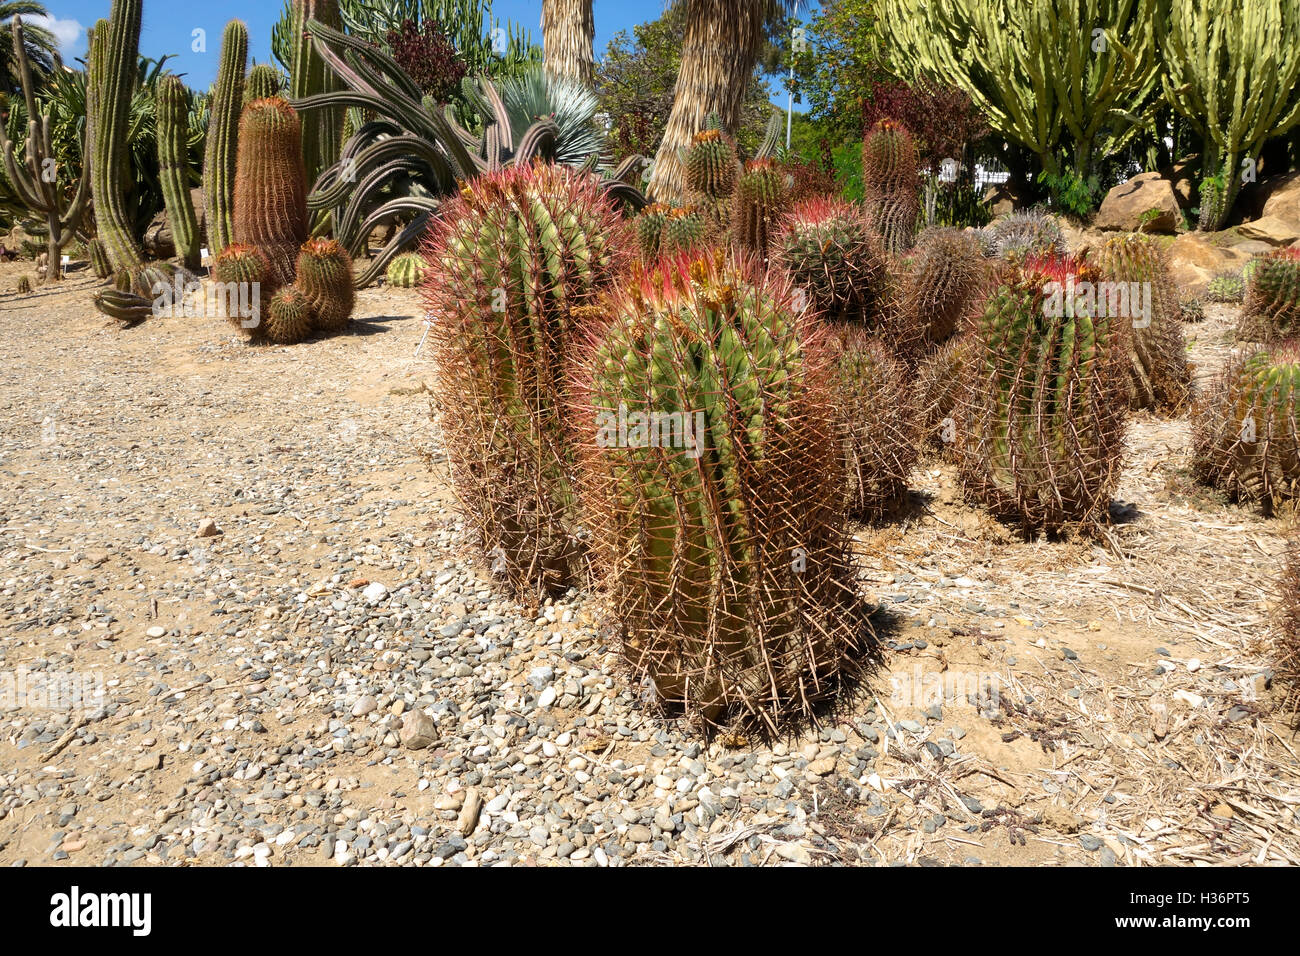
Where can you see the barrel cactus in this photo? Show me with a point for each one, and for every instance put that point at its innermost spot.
(833, 260)
(262, 83)
(711, 168)
(511, 259)
(1032, 233)
(270, 185)
(289, 317)
(890, 183)
(1272, 307)
(1226, 287)
(758, 205)
(944, 284)
(325, 278)
(243, 271)
(882, 424)
(943, 383)
(24, 286)
(650, 229)
(685, 230)
(711, 477)
(406, 271)
(1139, 291)
(1244, 438)
(1043, 437)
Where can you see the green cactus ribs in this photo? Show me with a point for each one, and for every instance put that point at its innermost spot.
(1244, 438)
(758, 205)
(890, 184)
(510, 260)
(325, 279)
(406, 271)
(833, 260)
(1271, 311)
(1041, 442)
(712, 481)
(172, 107)
(221, 151)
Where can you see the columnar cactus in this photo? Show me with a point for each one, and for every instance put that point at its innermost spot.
(881, 439)
(1141, 294)
(262, 83)
(834, 262)
(1244, 438)
(322, 129)
(113, 66)
(172, 107)
(221, 152)
(406, 271)
(510, 260)
(758, 205)
(270, 186)
(891, 184)
(1043, 437)
(711, 476)
(944, 284)
(99, 259)
(1272, 307)
(325, 279)
(289, 318)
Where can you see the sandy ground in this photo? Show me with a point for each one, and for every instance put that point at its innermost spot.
(1132, 723)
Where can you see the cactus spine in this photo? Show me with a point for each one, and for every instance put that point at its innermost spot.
(325, 280)
(270, 186)
(241, 269)
(113, 76)
(945, 284)
(1226, 287)
(1143, 297)
(834, 262)
(1272, 307)
(1044, 436)
(172, 105)
(759, 203)
(322, 129)
(511, 259)
(718, 528)
(891, 185)
(1244, 438)
(220, 154)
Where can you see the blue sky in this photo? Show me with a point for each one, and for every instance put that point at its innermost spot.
(169, 25)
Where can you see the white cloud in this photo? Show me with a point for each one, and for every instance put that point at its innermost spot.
(67, 32)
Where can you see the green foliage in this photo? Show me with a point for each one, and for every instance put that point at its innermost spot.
(1070, 192)
(40, 46)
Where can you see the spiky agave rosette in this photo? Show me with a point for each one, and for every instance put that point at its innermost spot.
(1159, 376)
(1271, 311)
(1244, 426)
(509, 260)
(834, 262)
(724, 552)
(1042, 438)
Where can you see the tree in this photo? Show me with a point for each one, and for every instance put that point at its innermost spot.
(636, 79)
(841, 65)
(40, 45)
(568, 29)
(720, 47)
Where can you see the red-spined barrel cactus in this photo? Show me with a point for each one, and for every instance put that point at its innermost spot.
(943, 383)
(1272, 308)
(891, 184)
(325, 278)
(1244, 433)
(288, 317)
(711, 479)
(1043, 437)
(509, 261)
(1138, 290)
(242, 271)
(270, 185)
(833, 261)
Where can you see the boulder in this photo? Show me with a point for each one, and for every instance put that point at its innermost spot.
(158, 242)
(1197, 257)
(1182, 176)
(1002, 199)
(1125, 205)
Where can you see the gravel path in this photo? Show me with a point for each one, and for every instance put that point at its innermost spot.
(331, 676)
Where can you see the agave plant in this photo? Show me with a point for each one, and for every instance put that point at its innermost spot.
(399, 167)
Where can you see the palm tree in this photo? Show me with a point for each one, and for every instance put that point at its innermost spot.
(42, 46)
(721, 46)
(568, 29)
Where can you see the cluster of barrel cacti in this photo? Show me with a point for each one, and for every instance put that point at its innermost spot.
(1043, 434)
(712, 165)
(1140, 292)
(1244, 431)
(1271, 310)
(891, 184)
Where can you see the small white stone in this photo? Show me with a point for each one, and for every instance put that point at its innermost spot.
(547, 697)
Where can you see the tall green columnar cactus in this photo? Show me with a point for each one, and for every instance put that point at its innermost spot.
(1044, 433)
(270, 186)
(36, 179)
(510, 260)
(1244, 438)
(1042, 73)
(1232, 67)
(322, 129)
(172, 108)
(758, 205)
(891, 184)
(1141, 295)
(222, 148)
(713, 487)
(114, 64)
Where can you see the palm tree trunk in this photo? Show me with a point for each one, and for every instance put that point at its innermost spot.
(718, 55)
(568, 29)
